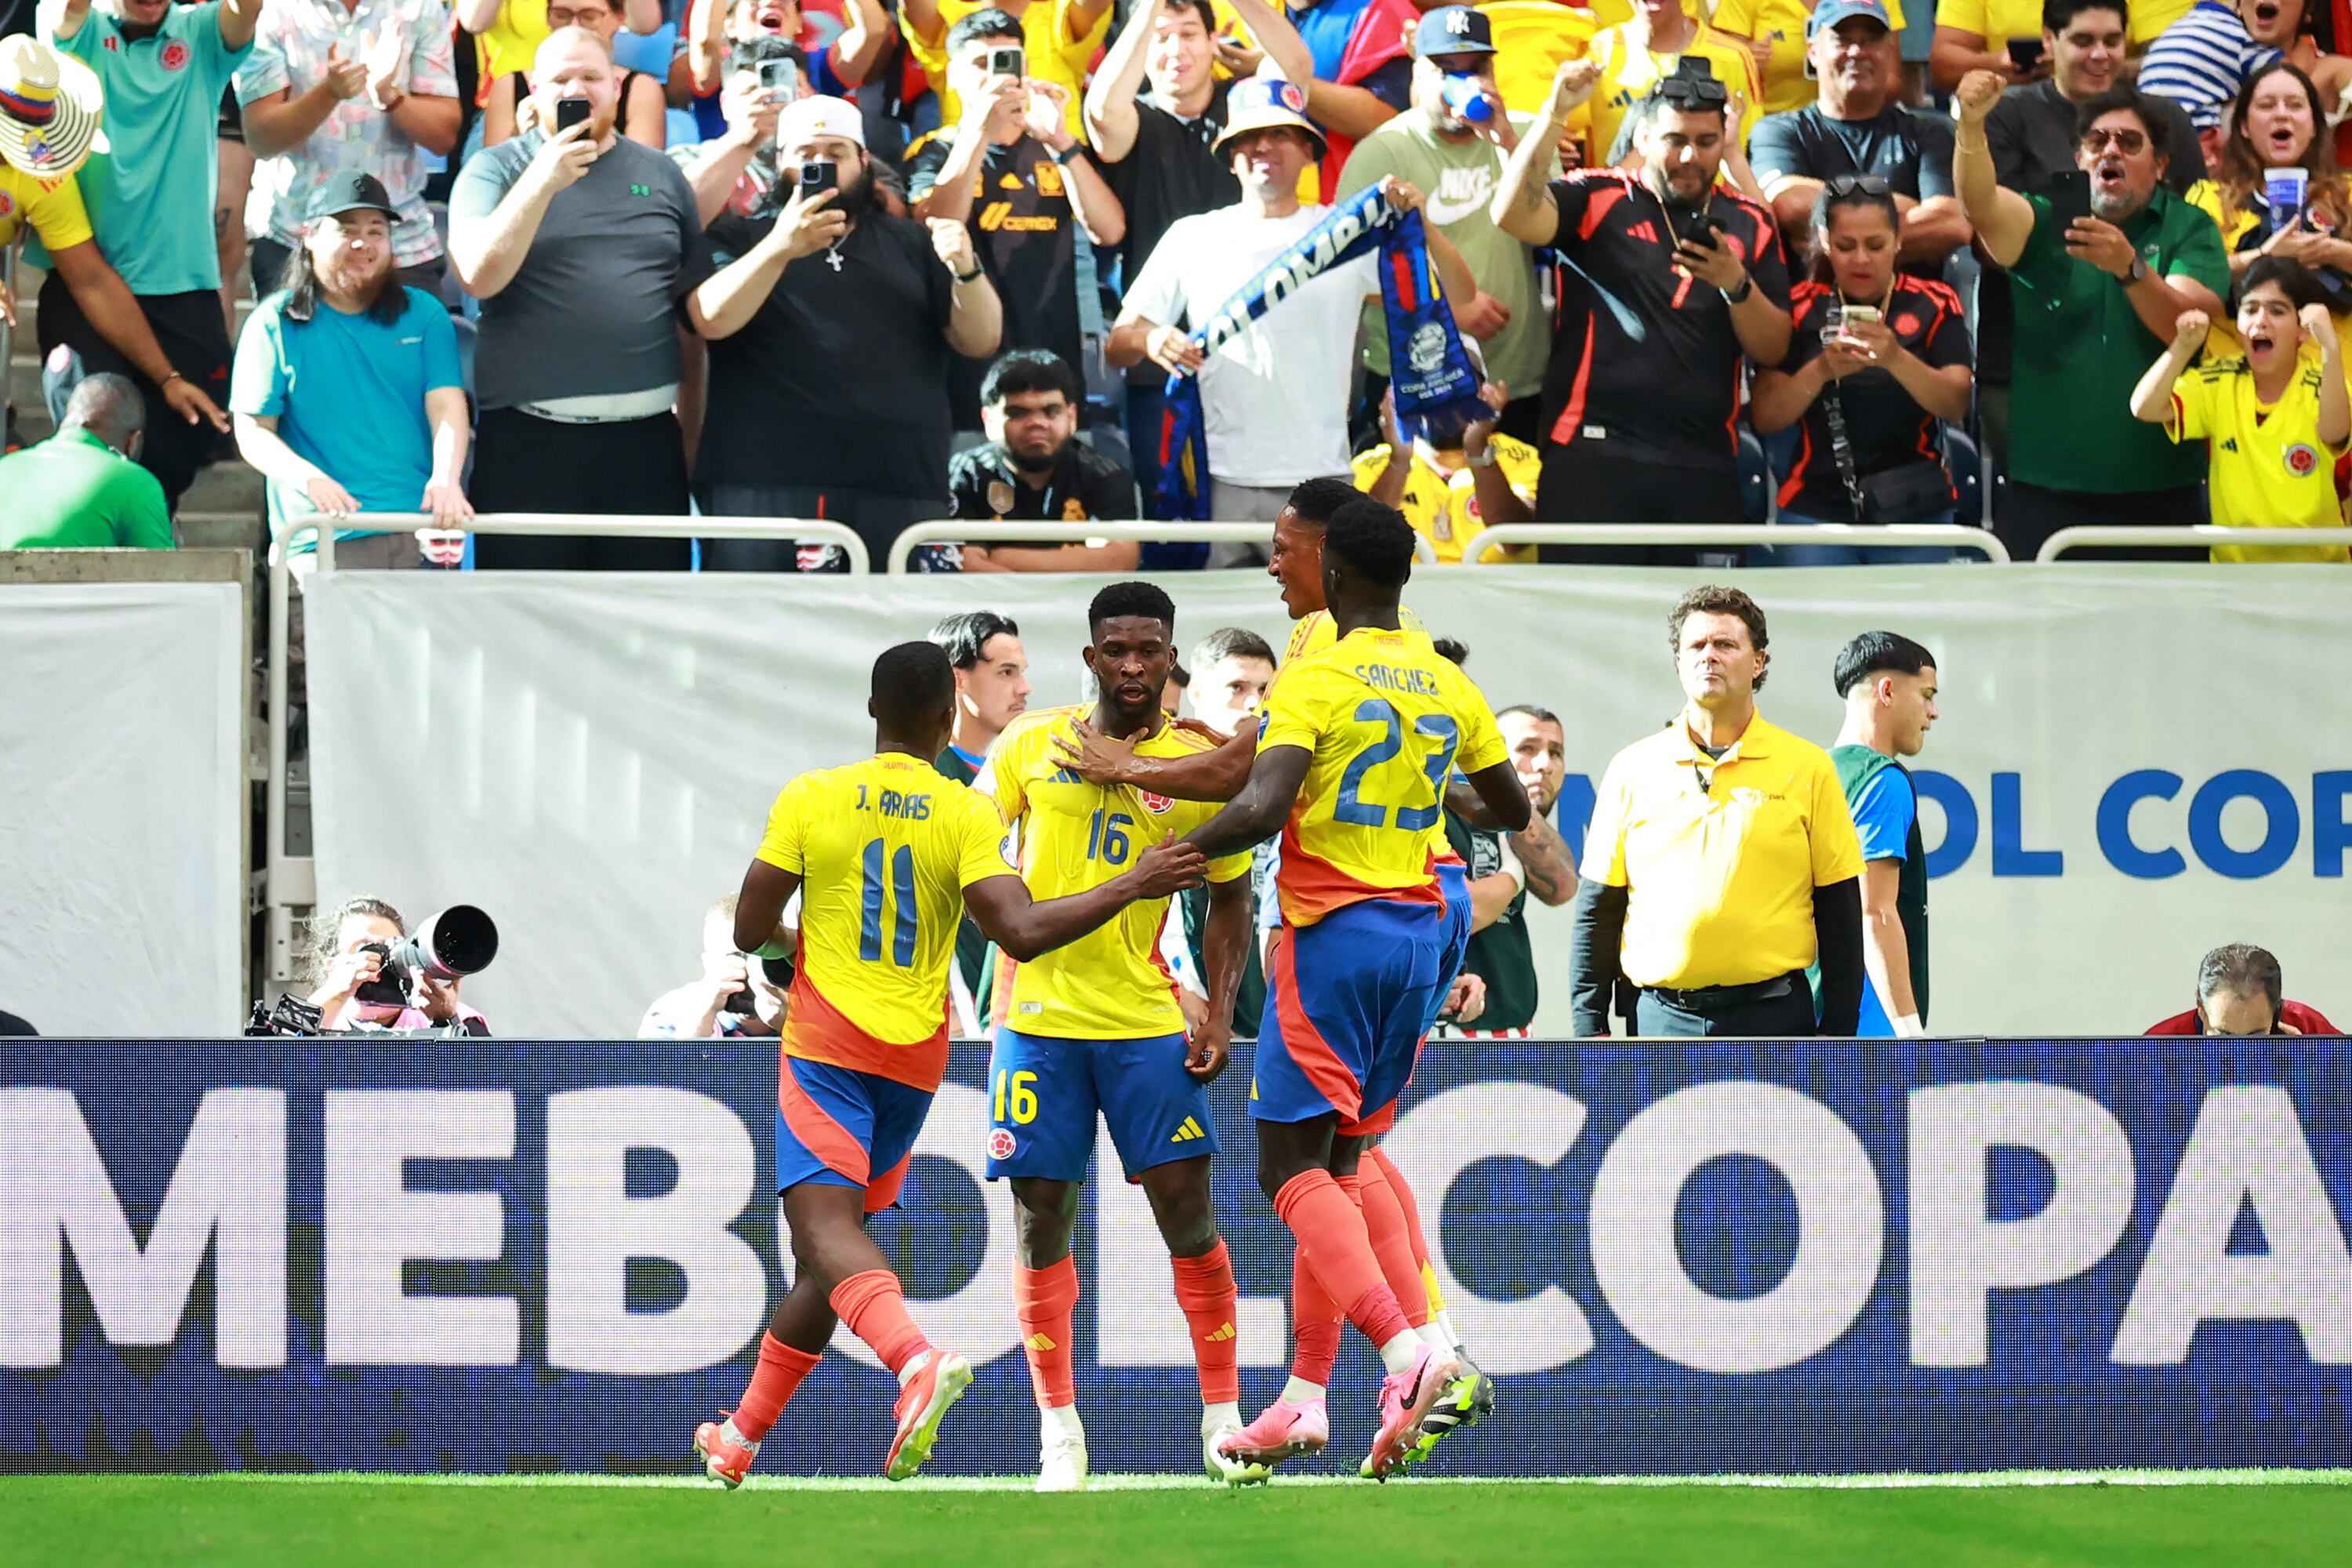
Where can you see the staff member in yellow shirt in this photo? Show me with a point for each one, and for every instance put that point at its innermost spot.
(2274, 419)
(1452, 480)
(1722, 859)
(1634, 58)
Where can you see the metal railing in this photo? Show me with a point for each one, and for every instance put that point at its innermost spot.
(2093, 536)
(802, 531)
(1929, 535)
(958, 531)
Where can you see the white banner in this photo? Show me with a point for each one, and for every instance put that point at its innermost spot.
(122, 807)
(2134, 765)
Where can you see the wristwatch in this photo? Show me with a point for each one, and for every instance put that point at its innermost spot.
(2139, 271)
(1739, 296)
(1069, 153)
(968, 276)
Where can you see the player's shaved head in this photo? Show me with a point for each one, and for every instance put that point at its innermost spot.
(914, 694)
(1370, 544)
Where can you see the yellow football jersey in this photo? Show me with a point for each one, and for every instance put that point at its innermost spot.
(1315, 630)
(1110, 985)
(1387, 720)
(884, 849)
(2268, 467)
(1442, 503)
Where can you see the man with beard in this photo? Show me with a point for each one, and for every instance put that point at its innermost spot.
(1858, 127)
(833, 324)
(1034, 468)
(2103, 292)
(346, 390)
(578, 242)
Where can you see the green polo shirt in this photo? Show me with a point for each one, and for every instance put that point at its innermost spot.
(2081, 349)
(73, 492)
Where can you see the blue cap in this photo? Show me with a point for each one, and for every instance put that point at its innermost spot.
(1830, 13)
(1453, 30)
(1262, 102)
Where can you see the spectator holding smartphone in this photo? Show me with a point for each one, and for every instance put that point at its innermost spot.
(2103, 285)
(1877, 365)
(2279, 192)
(645, 101)
(2003, 36)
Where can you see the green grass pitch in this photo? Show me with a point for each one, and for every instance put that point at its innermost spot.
(2144, 1520)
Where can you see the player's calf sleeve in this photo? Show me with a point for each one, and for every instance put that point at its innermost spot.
(1204, 1292)
(1315, 1323)
(1410, 1205)
(773, 1382)
(1385, 1225)
(1043, 1300)
(1331, 1236)
(875, 1308)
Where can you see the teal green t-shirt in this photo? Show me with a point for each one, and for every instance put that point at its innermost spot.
(73, 492)
(348, 393)
(151, 199)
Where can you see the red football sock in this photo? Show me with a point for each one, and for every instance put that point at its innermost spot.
(1385, 1225)
(1331, 1236)
(1204, 1290)
(1405, 1201)
(1041, 1301)
(1315, 1323)
(875, 1308)
(773, 1382)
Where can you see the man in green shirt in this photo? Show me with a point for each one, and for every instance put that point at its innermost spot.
(82, 489)
(2097, 296)
(1888, 684)
(1434, 148)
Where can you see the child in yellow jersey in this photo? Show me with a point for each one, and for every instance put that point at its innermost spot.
(2274, 421)
(887, 855)
(1093, 1032)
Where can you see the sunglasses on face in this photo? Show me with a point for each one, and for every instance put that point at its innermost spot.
(2130, 143)
(1859, 185)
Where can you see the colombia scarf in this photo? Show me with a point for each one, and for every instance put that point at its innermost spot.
(1429, 368)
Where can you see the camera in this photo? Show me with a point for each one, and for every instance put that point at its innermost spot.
(777, 972)
(781, 77)
(459, 941)
(1006, 62)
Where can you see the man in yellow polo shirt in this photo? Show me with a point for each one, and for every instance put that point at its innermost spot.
(1721, 861)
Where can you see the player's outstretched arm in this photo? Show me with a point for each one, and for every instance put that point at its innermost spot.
(1258, 813)
(1025, 928)
(1212, 776)
(760, 909)
(1505, 797)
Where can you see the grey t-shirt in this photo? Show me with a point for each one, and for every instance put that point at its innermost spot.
(593, 309)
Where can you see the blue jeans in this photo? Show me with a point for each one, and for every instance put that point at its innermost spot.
(1859, 555)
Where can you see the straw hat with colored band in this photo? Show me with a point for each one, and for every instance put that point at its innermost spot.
(1262, 102)
(50, 104)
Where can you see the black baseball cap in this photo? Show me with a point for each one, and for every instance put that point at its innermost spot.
(349, 193)
(1453, 30)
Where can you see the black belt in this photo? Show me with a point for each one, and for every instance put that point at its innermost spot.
(1717, 998)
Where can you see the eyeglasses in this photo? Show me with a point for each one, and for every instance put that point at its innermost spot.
(1859, 185)
(2129, 142)
(559, 17)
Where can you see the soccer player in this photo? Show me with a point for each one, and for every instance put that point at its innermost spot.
(1359, 744)
(1094, 1029)
(887, 855)
(1889, 684)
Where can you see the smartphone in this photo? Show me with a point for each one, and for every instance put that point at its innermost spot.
(2025, 54)
(1697, 226)
(1854, 313)
(1007, 62)
(819, 174)
(1832, 322)
(2070, 197)
(569, 112)
(781, 78)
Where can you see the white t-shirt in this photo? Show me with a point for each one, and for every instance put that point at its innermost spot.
(1276, 395)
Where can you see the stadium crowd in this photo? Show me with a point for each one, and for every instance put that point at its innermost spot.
(883, 263)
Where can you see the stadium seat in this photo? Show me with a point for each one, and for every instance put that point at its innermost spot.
(1967, 465)
(1755, 478)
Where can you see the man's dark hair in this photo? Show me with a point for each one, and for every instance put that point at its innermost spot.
(1316, 500)
(2057, 15)
(1231, 642)
(1453, 650)
(990, 23)
(1541, 715)
(2150, 113)
(962, 636)
(109, 406)
(1147, 601)
(913, 685)
(2242, 970)
(1879, 652)
(1181, 676)
(1714, 600)
(2297, 282)
(1030, 370)
(1201, 8)
(302, 289)
(1372, 541)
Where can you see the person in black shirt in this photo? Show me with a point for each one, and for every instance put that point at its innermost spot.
(1012, 173)
(1857, 127)
(832, 326)
(1034, 469)
(1891, 351)
(1642, 394)
(1159, 150)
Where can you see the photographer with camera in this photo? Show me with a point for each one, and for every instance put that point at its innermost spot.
(368, 973)
(1667, 283)
(735, 995)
